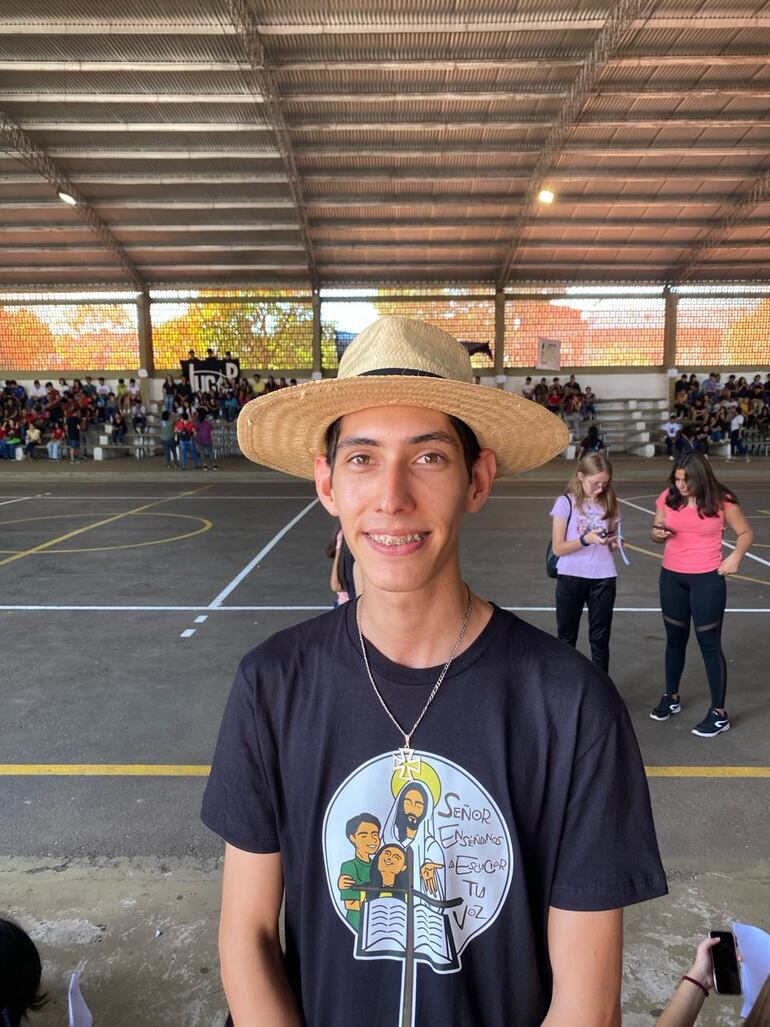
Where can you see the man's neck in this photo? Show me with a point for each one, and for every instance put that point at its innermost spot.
(419, 629)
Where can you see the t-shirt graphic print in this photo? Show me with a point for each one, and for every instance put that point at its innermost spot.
(440, 864)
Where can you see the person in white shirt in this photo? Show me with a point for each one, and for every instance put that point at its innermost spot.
(671, 429)
(36, 395)
(736, 437)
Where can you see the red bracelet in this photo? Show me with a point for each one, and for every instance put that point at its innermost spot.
(697, 984)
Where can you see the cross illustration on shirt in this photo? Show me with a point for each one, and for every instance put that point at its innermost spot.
(406, 763)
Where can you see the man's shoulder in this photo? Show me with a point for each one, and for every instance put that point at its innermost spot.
(294, 643)
(556, 671)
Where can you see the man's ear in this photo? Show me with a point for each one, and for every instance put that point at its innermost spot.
(482, 477)
(323, 485)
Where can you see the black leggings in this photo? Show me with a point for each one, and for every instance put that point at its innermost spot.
(572, 594)
(702, 597)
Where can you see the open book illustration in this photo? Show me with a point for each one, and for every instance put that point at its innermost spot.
(384, 932)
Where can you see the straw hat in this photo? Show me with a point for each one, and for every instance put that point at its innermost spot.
(397, 362)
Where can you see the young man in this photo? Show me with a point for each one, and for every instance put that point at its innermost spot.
(498, 766)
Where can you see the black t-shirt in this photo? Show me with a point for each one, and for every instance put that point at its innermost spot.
(526, 789)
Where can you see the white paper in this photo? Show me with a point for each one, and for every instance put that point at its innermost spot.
(754, 946)
(79, 1013)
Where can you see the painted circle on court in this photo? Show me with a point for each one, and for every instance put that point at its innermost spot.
(204, 525)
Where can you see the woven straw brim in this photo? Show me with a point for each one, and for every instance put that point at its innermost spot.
(286, 429)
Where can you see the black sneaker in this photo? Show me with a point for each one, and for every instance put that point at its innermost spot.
(667, 705)
(714, 723)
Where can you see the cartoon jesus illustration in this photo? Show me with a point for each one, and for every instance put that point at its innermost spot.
(410, 824)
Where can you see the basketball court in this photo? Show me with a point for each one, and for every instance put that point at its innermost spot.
(111, 727)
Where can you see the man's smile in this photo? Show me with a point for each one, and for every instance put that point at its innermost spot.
(396, 540)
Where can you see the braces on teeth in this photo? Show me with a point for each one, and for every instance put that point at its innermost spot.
(391, 540)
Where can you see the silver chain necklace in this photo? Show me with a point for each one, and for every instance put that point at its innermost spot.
(404, 759)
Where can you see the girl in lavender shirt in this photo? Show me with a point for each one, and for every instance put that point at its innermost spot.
(585, 532)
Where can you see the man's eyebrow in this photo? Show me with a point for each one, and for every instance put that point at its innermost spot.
(356, 440)
(351, 441)
(433, 436)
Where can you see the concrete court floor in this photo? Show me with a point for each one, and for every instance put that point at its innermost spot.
(116, 876)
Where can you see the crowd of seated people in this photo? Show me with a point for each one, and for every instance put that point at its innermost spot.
(223, 401)
(568, 401)
(711, 412)
(53, 418)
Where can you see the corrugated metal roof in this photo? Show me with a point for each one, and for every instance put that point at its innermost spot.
(406, 137)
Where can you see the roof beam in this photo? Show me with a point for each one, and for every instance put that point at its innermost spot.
(90, 26)
(565, 21)
(42, 164)
(128, 65)
(372, 64)
(401, 175)
(512, 64)
(523, 124)
(715, 237)
(144, 154)
(261, 79)
(584, 149)
(170, 203)
(127, 127)
(460, 222)
(676, 89)
(522, 173)
(187, 178)
(527, 244)
(150, 247)
(160, 227)
(174, 203)
(656, 90)
(545, 91)
(17, 95)
(441, 202)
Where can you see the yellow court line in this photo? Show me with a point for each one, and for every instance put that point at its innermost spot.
(658, 556)
(202, 770)
(98, 524)
(707, 771)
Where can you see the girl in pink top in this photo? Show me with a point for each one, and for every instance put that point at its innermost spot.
(690, 519)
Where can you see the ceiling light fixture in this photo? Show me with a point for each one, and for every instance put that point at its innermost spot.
(66, 198)
(546, 196)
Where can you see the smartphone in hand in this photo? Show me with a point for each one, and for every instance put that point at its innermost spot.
(724, 962)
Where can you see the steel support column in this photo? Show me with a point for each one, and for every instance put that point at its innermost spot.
(146, 355)
(317, 369)
(499, 368)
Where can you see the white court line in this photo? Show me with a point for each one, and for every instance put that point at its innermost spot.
(19, 500)
(201, 619)
(729, 545)
(218, 600)
(320, 609)
(107, 498)
(187, 633)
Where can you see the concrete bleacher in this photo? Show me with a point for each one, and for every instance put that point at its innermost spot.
(626, 426)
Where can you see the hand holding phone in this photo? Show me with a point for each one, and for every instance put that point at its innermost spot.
(724, 961)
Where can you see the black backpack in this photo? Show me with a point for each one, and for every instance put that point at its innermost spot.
(551, 560)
